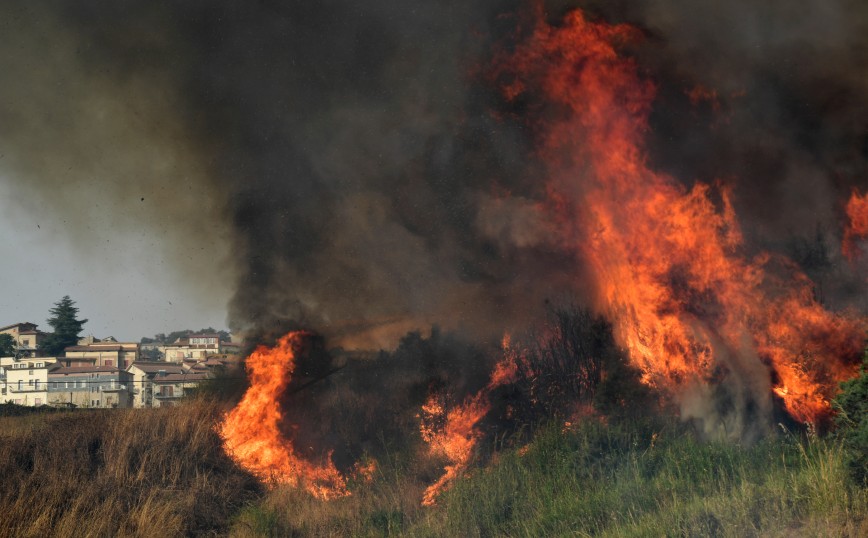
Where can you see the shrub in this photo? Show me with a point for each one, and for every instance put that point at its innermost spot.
(852, 421)
(576, 364)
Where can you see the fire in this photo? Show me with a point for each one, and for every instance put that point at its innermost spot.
(251, 432)
(667, 261)
(453, 435)
(857, 225)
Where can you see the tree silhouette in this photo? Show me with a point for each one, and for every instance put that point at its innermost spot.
(7, 345)
(66, 327)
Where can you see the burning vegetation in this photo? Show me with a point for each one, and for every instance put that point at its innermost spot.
(689, 316)
(616, 188)
(856, 229)
(252, 431)
(668, 262)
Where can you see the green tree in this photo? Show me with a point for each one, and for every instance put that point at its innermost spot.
(7, 345)
(66, 327)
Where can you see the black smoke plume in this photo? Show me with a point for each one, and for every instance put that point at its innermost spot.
(348, 161)
(350, 167)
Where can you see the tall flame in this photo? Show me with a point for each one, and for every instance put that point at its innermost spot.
(251, 431)
(668, 261)
(456, 437)
(857, 225)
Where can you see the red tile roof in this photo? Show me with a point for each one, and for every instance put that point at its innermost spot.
(94, 349)
(17, 325)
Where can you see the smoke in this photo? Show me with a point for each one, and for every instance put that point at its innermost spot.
(349, 167)
(787, 123)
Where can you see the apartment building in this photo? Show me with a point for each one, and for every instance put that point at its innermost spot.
(27, 337)
(24, 381)
(90, 386)
(143, 374)
(102, 353)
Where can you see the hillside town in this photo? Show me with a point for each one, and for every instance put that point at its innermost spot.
(105, 373)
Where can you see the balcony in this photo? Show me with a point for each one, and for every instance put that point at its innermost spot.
(170, 396)
(42, 387)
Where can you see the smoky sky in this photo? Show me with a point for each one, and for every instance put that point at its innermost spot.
(347, 165)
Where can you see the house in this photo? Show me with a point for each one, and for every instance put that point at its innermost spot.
(194, 346)
(169, 388)
(27, 337)
(90, 386)
(143, 374)
(101, 353)
(24, 381)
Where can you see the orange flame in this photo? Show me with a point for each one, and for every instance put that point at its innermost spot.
(857, 225)
(251, 432)
(668, 262)
(457, 436)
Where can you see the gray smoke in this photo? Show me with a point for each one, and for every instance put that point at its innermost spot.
(348, 167)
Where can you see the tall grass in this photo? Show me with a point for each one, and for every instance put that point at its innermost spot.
(137, 472)
(598, 480)
(162, 472)
(609, 481)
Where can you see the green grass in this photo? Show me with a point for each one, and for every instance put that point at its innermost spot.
(609, 481)
(598, 481)
(117, 472)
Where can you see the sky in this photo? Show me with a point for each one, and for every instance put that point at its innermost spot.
(122, 281)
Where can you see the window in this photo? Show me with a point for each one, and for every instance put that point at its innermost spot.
(30, 383)
(39, 365)
(38, 401)
(109, 362)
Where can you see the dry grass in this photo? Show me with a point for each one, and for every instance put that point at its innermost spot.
(142, 472)
(162, 472)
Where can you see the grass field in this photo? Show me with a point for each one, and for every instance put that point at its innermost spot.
(600, 481)
(161, 472)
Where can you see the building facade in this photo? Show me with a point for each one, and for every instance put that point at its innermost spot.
(114, 354)
(24, 381)
(27, 338)
(143, 374)
(169, 388)
(195, 347)
(90, 386)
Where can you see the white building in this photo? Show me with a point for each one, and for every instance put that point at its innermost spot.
(195, 347)
(24, 381)
(143, 374)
